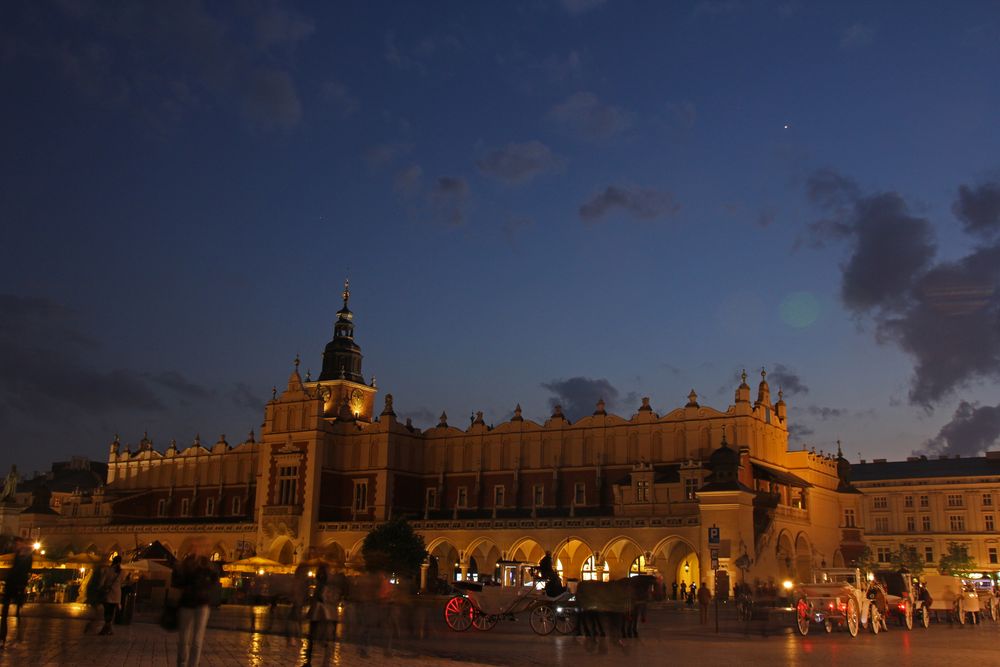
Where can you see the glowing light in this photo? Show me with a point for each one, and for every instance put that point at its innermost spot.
(871, 576)
(312, 573)
(687, 567)
(82, 570)
(787, 584)
(37, 546)
(261, 572)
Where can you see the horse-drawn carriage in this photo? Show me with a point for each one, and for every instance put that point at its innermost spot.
(838, 599)
(518, 590)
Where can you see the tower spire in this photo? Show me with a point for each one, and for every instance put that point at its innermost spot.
(347, 291)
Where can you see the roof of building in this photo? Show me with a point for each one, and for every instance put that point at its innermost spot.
(766, 472)
(973, 466)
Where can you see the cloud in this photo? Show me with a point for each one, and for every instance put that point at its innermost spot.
(637, 202)
(179, 384)
(973, 429)
(787, 380)
(270, 99)
(856, 36)
(578, 396)
(407, 181)
(382, 155)
(279, 27)
(943, 315)
(979, 209)
(340, 98)
(244, 396)
(448, 198)
(584, 114)
(799, 432)
(825, 413)
(518, 163)
(580, 6)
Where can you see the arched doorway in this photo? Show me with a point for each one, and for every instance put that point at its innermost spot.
(803, 558)
(569, 557)
(784, 554)
(638, 566)
(594, 571)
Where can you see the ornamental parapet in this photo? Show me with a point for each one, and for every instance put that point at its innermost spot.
(154, 528)
(521, 524)
(282, 510)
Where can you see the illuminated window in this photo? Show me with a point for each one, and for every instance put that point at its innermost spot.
(925, 501)
(463, 496)
(849, 518)
(884, 554)
(580, 493)
(360, 495)
(691, 488)
(592, 573)
(989, 522)
(925, 523)
(880, 502)
(185, 506)
(498, 495)
(954, 500)
(288, 485)
(642, 491)
(210, 507)
(161, 507)
(539, 495)
(907, 501)
(987, 500)
(928, 554)
(992, 553)
(881, 524)
(431, 499)
(957, 523)
(911, 524)
(638, 567)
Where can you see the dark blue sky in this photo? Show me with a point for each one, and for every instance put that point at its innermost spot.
(537, 202)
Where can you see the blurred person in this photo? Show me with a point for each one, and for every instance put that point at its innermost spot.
(112, 578)
(299, 599)
(324, 605)
(196, 579)
(704, 600)
(15, 586)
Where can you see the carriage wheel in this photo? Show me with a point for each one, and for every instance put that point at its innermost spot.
(828, 626)
(853, 617)
(925, 617)
(993, 610)
(542, 619)
(961, 613)
(907, 618)
(481, 621)
(802, 614)
(566, 622)
(458, 613)
(874, 620)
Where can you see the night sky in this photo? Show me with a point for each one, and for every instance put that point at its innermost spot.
(536, 202)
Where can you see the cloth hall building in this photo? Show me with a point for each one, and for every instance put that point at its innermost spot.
(683, 492)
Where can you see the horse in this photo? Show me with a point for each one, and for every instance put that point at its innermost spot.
(620, 602)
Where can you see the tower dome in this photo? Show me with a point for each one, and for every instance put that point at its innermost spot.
(342, 356)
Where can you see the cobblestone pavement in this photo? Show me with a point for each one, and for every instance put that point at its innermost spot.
(670, 637)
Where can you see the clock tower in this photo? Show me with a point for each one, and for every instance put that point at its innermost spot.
(341, 385)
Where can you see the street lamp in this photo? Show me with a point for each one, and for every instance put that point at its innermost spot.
(37, 546)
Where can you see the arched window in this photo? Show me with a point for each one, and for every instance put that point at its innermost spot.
(590, 572)
(638, 567)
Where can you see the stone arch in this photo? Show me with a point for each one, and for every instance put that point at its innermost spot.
(526, 549)
(112, 550)
(569, 556)
(219, 552)
(838, 558)
(784, 555)
(443, 556)
(282, 550)
(618, 553)
(676, 559)
(803, 558)
(481, 556)
(333, 552)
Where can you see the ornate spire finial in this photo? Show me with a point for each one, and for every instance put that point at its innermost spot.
(763, 374)
(297, 361)
(274, 393)
(347, 291)
(840, 454)
(743, 376)
(308, 375)
(781, 394)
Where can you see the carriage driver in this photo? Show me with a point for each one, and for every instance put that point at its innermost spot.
(553, 584)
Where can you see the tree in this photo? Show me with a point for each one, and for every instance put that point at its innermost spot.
(394, 547)
(907, 560)
(957, 560)
(866, 562)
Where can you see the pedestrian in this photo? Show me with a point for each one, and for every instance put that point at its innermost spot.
(299, 599)
(673, 595)
(704, 600)
(111, 593)
(15, 586)
(197, 580)
(323, 609)
(692, 594)
(684, 591)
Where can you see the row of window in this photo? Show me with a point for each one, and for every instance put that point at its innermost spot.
(884, 554)
(161, 507)
(500, 495)
(952, 500)
(956, 523)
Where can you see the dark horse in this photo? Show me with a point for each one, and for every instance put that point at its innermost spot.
(620, 603)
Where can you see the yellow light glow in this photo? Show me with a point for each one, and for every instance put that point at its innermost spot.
(37, 546)
(871, 576)
(787, 583)
(260, 571)
(82, 570)
(312, 573)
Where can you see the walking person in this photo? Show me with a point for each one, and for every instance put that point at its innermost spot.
(299, 598)
(15, 586)
(111, 593)
(197, 580)
(323, 609)
(704, 600)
